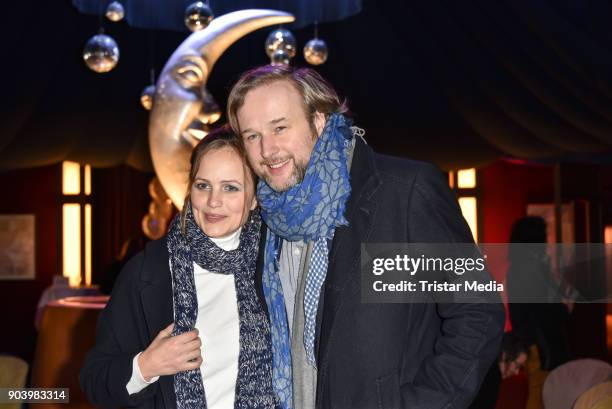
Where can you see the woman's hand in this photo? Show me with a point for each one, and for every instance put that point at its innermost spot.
(167, 355)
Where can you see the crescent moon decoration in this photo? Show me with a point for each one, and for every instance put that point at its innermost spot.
(181, 89)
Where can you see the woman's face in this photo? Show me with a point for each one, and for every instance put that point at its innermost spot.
(220, 196)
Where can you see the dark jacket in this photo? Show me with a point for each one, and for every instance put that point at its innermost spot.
(417, 356)
(140, 306)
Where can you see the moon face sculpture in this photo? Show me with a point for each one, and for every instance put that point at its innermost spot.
(181, 92)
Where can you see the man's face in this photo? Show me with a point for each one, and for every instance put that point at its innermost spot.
(277, 135)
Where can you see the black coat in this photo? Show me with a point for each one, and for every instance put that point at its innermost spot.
(417, 356)
(140, 306)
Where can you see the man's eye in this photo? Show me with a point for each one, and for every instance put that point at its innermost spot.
(250, 137)
(279, 129)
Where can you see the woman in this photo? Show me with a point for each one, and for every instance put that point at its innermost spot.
(184, 326)
(535, 300)
(535, 303)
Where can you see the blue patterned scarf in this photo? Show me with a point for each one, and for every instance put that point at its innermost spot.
(254, 383)
(309, 211)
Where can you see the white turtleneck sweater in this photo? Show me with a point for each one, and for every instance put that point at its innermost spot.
(219, 329)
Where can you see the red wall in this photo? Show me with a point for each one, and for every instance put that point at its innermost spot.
(507, 188)
(31, 191)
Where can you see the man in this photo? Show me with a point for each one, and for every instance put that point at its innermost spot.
(343, 353)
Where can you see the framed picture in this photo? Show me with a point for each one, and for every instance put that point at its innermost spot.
(17, 247)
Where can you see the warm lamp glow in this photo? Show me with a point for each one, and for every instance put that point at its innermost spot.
(466, 178)
(608, 235)
(87, 244)
(71, 178)
(87, 180)
(451, 179)
(468, 208)
(72, 242)
(76, 237)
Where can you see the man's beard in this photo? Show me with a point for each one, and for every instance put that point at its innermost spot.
(296, 177)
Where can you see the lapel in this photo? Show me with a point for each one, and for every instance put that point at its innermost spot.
(346, 246)
(156, 298)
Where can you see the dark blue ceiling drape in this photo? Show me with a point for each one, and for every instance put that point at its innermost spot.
(453, 82)
(168, 14)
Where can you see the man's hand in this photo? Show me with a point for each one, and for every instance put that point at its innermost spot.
(167, 355)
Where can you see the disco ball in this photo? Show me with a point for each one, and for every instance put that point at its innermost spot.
(281, 39)
(198, 16)
(280, 57)
(115, 12)
(101, 53)
(147, 97)
(315, 51)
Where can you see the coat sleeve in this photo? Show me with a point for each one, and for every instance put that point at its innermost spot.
(108, 366)
(470, 335)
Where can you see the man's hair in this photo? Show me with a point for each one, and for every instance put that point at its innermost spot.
(219, 138)
(317, 94)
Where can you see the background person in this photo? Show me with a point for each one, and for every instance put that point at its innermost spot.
(536, 304)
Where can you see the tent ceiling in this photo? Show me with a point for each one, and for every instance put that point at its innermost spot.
(456, 83)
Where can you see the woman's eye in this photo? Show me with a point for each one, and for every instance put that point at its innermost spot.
(231, 188)
(201, 186)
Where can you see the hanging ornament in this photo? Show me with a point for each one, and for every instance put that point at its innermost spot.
(198, 16)
(115, 11)
(148, 97)
(101, 53)
(279, 57)
(315, 51)
(281, 39)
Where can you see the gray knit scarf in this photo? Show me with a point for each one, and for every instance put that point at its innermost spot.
(254, 383)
